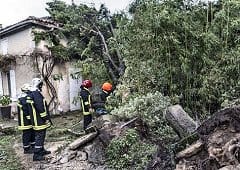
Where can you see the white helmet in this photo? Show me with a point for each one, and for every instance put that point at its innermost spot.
(37, 83)
(26, 87)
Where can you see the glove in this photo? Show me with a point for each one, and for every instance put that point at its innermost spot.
(49, 121)
(91, 110)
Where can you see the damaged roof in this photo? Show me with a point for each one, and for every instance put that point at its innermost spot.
(44, 22)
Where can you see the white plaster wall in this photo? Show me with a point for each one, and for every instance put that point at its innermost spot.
(62, 86)
(20, 43)
(74, 88)
(24, 71)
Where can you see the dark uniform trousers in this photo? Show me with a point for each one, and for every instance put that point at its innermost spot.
(24, 123)
(87, 119)
(39, 117)
(39, 139)
(28, 138)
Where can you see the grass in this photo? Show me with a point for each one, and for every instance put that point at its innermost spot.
(8, 159)
(61, 124)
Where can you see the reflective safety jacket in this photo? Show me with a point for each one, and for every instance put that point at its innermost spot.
(39, 113)
(24, 121)
(85, 98)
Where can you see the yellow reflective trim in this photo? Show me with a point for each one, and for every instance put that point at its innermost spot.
(19, 105)
(89, 99)
(34, 115)
(28, 117)
(24, 127)
(45, 108)
(86, 103)
(30, 101)
(82, 105)
(42, 126)
(43, 114)
(86, 113)
(21, 117)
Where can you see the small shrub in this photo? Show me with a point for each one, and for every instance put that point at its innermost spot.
(150, 108)
(129, 152)
(5, 100)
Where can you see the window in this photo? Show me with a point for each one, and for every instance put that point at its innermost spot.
(4, 46)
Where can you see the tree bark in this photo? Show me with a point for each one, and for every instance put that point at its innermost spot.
(82, 140)
(180, 121)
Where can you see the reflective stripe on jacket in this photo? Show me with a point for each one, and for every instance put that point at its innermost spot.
(85, 97)
(24, 121)
(39, 111)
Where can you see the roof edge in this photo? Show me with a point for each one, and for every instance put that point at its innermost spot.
(44, 22)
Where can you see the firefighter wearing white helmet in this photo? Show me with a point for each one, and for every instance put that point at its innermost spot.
(24, 121)
(37, 84)
(40, 119)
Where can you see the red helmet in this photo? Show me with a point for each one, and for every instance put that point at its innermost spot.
(87, 83)
(107, 86)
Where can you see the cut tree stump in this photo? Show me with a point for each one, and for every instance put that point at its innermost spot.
(180, 121)
(82, 140)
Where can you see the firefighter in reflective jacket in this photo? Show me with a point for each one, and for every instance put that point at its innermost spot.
(86, 102)
(99, 99)
(24, 122)
(39, 118)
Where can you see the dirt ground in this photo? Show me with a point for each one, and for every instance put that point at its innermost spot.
(56, 140)
(218, 147)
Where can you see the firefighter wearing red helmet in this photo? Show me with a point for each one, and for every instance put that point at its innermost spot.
(86, 101)
(87, 83)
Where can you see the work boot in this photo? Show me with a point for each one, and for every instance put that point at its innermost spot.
(38, 157)
(45, 152)
(91, 129)
(28, 150)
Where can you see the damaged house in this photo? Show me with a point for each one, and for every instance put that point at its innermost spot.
(18, 66)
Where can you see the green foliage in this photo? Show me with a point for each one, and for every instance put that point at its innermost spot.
(150, 108)
(187, 51)
(5, 100)
(57, 77)
(89, 33)
(93, 70)
(129, 152)
(6, 61)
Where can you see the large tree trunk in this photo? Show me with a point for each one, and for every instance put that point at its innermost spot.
(180, 121)
(82, 140)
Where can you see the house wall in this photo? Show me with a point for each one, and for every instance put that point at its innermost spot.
(20, 43)
(24, 72)
(61, 87)
(67, 88)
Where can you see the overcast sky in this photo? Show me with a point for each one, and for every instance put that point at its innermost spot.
(12, 11)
